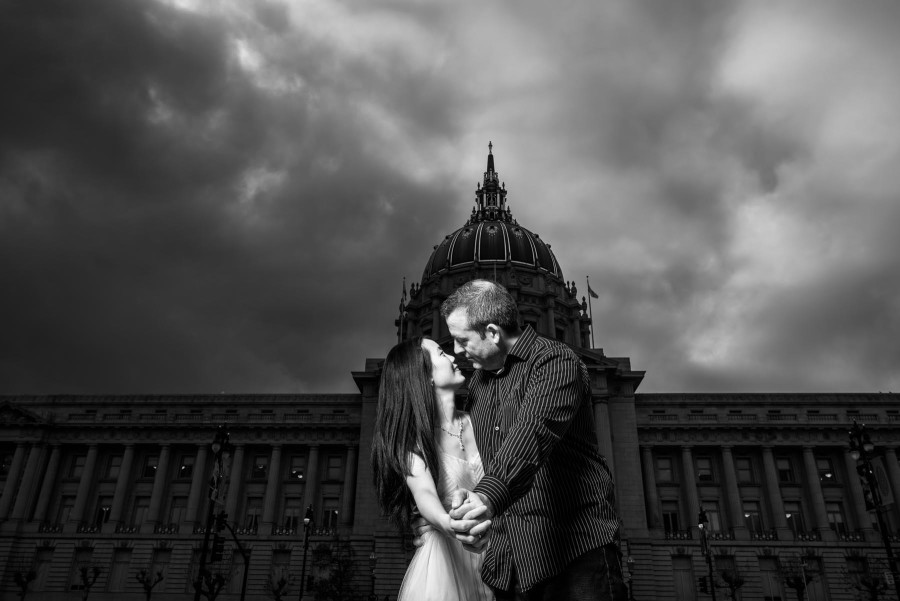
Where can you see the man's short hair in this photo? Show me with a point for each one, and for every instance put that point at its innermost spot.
(485, 302)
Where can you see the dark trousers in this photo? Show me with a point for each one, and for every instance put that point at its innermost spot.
(595, 576)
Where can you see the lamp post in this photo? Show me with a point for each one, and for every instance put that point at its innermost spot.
(862, 451)
(630, 563)
(221, 448)
(307, 526)
(373, 561)
(702, 524)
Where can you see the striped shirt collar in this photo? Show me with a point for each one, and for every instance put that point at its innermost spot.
(519, 351)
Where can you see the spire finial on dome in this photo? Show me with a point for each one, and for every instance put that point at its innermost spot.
(490, 164)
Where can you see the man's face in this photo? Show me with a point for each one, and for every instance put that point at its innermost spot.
(484, 353)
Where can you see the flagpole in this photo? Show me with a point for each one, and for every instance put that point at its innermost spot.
(402, 312)
(590, 310)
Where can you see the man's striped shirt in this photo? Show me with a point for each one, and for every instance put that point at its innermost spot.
(551, 490)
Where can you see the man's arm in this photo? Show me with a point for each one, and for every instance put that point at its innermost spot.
(553, 395)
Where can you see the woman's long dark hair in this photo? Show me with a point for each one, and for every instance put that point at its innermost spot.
(404, 423)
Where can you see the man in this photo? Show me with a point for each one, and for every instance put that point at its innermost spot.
(547, 489)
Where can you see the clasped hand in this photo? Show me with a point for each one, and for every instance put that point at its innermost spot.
(469, 520)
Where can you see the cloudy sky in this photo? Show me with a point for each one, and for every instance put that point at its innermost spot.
(205, 197)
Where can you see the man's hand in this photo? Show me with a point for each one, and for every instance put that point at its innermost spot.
(470, 519)
(419, 527)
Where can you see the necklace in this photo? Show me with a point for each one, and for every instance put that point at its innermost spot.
(458, 435)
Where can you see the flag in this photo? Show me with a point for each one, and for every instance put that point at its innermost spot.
(591, 292)
(403, 298)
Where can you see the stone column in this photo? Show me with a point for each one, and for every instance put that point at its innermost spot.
(349, 493)
(24, 500)
(197, 487)
(12, 480)
(48, 486)
(604, 436)
(121, 492)
(159, 488)
(84, 488)
(312, 481)
(857, 498)
(893, 470)
(271, 499)
(235, 482)
(690, 486)
(773, 490)
(651, 493)
(733, 496)
(814, 489)
(435, 319)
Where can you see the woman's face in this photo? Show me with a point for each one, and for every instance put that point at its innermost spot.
(444, 372)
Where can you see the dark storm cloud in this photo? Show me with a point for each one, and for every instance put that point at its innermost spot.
(203, 198)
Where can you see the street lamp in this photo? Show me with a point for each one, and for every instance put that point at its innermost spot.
(307, 526)
(630, 563)
(861, 450)
(221, 448)
(373, 561)
(702, 525)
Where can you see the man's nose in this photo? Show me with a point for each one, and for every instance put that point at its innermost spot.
(457, 349)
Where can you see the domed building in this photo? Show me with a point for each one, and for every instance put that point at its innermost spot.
(100, 494)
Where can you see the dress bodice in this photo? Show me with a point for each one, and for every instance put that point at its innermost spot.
(457, 473)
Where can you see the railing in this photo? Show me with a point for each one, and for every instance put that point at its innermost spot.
(781, 417)
(742, 417)
(764, 535)
(86, 528)
(126, 528)
(195, 418)
(866, 418)
(281, 531)
(679, 535)
(702, 417)
(50, 528)
(721, 535)
(853, 536)
(821, 418)
(251, 530)
(808, 536)
(663, 418)
(165, 529)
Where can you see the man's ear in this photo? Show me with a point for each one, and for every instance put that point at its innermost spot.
(493, 333)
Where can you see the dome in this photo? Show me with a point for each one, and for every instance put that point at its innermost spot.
(488, 242)
(491, 236)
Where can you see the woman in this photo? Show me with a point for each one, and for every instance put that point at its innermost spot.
(422, 452)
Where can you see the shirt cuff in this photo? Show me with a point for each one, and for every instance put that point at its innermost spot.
(495, 493)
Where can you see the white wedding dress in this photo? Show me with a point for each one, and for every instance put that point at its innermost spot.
(441, 569)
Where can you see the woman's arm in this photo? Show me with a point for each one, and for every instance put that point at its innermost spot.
(422, 487)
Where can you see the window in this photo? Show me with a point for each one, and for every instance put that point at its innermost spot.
(794, 514)
(104, 506)
(293, 517)
(826, 470)
(335, 469)
(330, 513)
(118, 572)
(704, 467)
(150, 464)
(76, 469)
(835, 513)
(744, 468)
(161, 560)
(712, 514)
(752, 518)
(771, 579)
(82, 561)
(260, 467)
(785, 469)
(297, 468)
(664, 470)
(253, 513)
(670, 516)
(42, 562)
(139, 512)
(113, 467)
(5, 463)
(64, 509)
(186, 469)
(177, 510)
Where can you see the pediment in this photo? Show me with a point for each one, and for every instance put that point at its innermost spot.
(14, 415)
